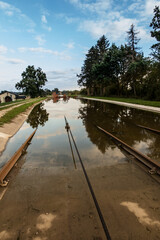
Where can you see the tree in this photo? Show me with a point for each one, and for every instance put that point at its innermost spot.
(102, 46)
(56, 90)
(32, 81)
(132, 42)
(94, 56)
(155, 24)
(133, 54)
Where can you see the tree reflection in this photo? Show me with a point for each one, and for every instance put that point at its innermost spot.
(121, 122)
(38, 116)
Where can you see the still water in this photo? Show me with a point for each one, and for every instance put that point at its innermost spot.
(50, 145)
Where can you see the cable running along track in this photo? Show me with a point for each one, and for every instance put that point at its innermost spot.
(108, 237)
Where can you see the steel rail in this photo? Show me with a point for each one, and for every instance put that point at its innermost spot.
(150, 129)
(9, 165)
(67, 129)
(151, 164)
(108, 237)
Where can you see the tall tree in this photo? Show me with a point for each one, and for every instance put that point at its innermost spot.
(32, 81)
(94, 56)
(132, 41)
(86, 77)
(133, 54)
(155, 24)
(102, 46)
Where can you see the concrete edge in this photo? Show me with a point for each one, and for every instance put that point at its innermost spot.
(142, 107)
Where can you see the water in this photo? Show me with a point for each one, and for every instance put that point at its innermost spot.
(50, 145)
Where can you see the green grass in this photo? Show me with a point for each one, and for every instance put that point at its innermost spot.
(130, 100)
(8, 103)
(13, 104)
(16, 111)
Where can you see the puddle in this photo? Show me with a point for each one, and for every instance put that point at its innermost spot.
(50, 146)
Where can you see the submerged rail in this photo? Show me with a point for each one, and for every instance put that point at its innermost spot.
(108, 237)
(153, 166)
(9, 165)
(150, 129)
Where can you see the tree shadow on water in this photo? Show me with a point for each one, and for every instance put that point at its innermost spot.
(38, 116)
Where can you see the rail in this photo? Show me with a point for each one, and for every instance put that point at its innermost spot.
(153, 166)
(105, 228)
(150, 129)
(9, 165)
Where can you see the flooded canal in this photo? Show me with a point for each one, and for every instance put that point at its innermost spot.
(48, 198)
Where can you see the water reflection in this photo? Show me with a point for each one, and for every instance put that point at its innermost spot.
(38, 116)
(120, 121)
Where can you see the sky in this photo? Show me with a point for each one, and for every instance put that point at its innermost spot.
(55, 35)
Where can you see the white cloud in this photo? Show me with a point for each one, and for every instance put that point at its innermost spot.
(70, 45)
(3, 49)
(150, 5)
(44, 22)
(4, 5)
(40, 39)
(11, 60)
(9, 13)
(15, 61)
(63, 79)
(49, 29)
(43, 19)
(61, 55)
(112, 29)
(10, 10)
(99, 6)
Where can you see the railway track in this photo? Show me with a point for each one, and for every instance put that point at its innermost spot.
(9, 165)
(103, 222)
(152, 166)
(149, 129)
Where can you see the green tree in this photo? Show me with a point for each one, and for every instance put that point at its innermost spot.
(107, 71)
(94, 56)
(56, 90)
(86, 78)
(155, 24)
(132, 54)
(32, 81)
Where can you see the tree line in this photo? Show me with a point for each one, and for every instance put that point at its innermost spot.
(110, 70)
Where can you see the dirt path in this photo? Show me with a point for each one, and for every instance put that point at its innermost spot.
(3, 112)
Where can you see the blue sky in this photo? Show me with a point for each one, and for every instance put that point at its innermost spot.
(56, 34)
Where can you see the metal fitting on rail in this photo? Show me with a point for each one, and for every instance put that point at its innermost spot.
(67, 127)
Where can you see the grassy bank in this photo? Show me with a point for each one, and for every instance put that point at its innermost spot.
(8, 103)
(14, 104)
(130, 100)
(16, 111)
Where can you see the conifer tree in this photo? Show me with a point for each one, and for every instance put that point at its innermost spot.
(155, 24)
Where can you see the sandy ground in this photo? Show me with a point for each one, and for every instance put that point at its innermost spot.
(142, 107)
(9, 129)
(43, 205)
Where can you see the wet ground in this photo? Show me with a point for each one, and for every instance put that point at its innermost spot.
(47, 196)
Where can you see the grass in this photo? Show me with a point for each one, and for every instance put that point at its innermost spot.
(13, 104)
(8, 103)
(131, 100)
(16, 111)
